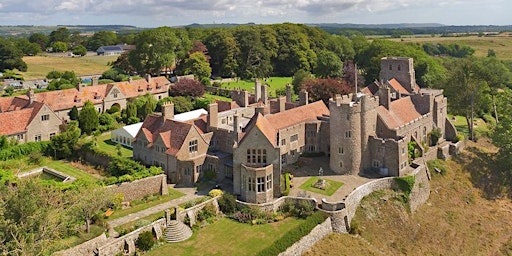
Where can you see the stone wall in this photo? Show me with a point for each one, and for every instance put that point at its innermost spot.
(194, 210)
(306, 242)
(140, 188)
(86, 248)
(126, 244)
(421, 190)
(274, 205)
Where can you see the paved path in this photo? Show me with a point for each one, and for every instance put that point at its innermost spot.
(155, 209)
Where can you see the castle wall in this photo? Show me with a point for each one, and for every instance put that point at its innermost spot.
(140, 188)
(400, 68)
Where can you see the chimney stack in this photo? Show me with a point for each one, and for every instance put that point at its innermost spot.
(282, 103)
(303, 97)
(288, 93)
(31, 96)
(257, 91)
(168, 110)
(264, 94)
(148, 78)
(236, 124)
(213, 117)
(94, 81)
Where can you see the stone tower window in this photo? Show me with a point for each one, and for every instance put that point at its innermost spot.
(341, 164)
(390, 67)
(348, 134)
(398, 67)
(340, 150)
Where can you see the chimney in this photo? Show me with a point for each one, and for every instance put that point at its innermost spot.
(303, 97)
(264, 94)
(94, 81)
(79, 87)
(130, 80)
(236, 124)
(31, 96)
(257, 91)
(282, 103)
(213, 117)
(168, 110)
(148, 78)
(384, 96)
(260, 109)
(288, 93)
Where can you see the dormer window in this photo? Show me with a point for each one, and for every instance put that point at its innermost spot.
(140, 89)
(149, 88)
(77, 99)
(97, 96)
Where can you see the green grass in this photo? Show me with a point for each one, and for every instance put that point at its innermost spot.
(130, 226)
(173, 194)
(109, 147)
(229, 237)
(461, 125)
(215, 97)
(275, 83)
(75, 240)
(64, 167)
(332, 186)
(39, 66)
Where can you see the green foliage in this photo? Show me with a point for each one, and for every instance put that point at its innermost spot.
(129, 170)
(59, 46)
(7, 177)
(88, 118)
(411, 150)
(215, 192)
(115, 75)
(101, 38)
(287, 184)
(11, 56)
(437, 164)
(9, 90)
(22, 150)
(80, 50)
(294, 235)
(197, 64)
(227, 203)
(298, 78)
(207, 212)
(73, 113)
(145, 241)
(405, 183)
(297, 208)
(182, 104)
(107, 122)
(328, 65)
(195, 202)
(435, 135)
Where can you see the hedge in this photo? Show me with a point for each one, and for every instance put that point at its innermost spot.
(294, 235)
(22, 150)
(287, 183)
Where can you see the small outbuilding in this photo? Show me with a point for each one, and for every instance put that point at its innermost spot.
(125, 134)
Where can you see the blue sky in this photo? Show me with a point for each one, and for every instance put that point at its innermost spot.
(155, 13)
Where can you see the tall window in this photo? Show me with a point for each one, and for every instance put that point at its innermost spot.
(251, 183)
(37, 137)
(45, 117)
(256, 156)
(348, 134)
(269, 181)
(192, 146)
(261, 184)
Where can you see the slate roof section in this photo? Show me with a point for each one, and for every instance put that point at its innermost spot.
(400, 112)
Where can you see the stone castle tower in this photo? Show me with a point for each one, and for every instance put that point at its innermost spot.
(353, 120)
(400, 68)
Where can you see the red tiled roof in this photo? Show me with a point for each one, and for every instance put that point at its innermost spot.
(261, 122)
(371, 89)
(400, 112)
(397, 86)
(14, 122)
(12, 103)
(297, 115)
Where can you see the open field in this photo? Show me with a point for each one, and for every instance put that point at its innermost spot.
(39, 66)
(500, 44)
(469, 212)
(275, 83)
(229, 237)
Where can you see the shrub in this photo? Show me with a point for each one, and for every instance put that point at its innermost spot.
(227, 203)
(145, 240)
(287, 184)
(294, 235)
(405, 183)
(207, 212)
(215, 192)
(22, 150)
(435, 134)
(458, 137)
(298, 209)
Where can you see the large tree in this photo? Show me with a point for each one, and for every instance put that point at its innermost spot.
(62, 34)
(224, 51)
(63, 145)
(159, 48)
(101, 38)
(89, 201)
(88, 118)
(254, 58)
(11, 56)
(328, 65)
(40, 39)
(187, 87)
(197, 64)
(323, 89)
(294, 50)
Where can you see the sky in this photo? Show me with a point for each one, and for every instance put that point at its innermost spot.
(156, 13)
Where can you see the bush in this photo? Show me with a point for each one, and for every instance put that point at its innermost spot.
(227, 203)
(294, 235)
(405, 183)
(215, 192)
(287, 184)
(22, 150)
(207, 212)
(145, 241)
(458, 137)
(299, 209)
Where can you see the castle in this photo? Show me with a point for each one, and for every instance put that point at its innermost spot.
(250, 139)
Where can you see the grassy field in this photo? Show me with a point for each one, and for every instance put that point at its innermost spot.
(500, 44)
(332, 186)
(173, 194)
(228, 237)
(39, 66)
(468, 213)
(274, 83)
(65, 167)
(460, 123)
(109, 147)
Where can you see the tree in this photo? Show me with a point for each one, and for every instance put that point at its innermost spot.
(298, 78)
(73, 113)
(328, 65)
(341, 46)
(27, 47)
(323, 89)
(198, 46)
(89, 201)
(11, 56)
(9, 90)
(254, 58)
(224, 51)
(40, 39)
(63, 145)
(88, 118)
(187, 87)
(123, 63)
(60, 35)
(114, 74)
(197, 64)
(59, 46)
(294, 51)
(145, 105)
(501, 134)
(159, 48)
(101, 38)
(131, 113)
(80, 50)
(182, 104)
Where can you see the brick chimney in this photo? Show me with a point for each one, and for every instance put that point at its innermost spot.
(236, 123)
(168, 110)
(94, 81)
(148, 78)
(303, 97)
(213, 117)
(282, 103)
(288, 93)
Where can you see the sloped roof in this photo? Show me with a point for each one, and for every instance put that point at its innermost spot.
(12, 103)
(371, 89)
(261, 122)
(400, 112)
(301, 114)
(14, 122)
(131, 129)
(194, 114)
(397, 86)
(110, 48)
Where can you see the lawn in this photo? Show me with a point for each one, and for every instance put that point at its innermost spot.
(39, 66)
(64, 167)
(216, 97)
(173, 194)
(109, 147)
(331, 187)
(131, 226)
(274, 83)
(461, 125)
(229, 237)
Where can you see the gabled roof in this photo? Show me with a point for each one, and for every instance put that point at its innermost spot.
(110, 48)
(261, 122)
(12, 103)
(371, 89)
(190, 115)
(400, 112)
(131, 129)
(397, 86)
(297, 115)
(14, 122)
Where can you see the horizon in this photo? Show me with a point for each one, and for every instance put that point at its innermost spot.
(152, 13)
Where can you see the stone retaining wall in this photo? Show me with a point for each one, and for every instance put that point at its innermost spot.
(140, 188)
(307, 241)
(274, 205)
(37, 171)
(192, 212)
(86, 248)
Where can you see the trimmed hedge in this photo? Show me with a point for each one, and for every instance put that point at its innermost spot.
(294, 235)
(22, 150)
(287, 184)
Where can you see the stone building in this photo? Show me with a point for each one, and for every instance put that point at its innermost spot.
(17, 114)
(249, 140)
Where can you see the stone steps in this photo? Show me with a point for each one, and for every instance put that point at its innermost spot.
(177, 231)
